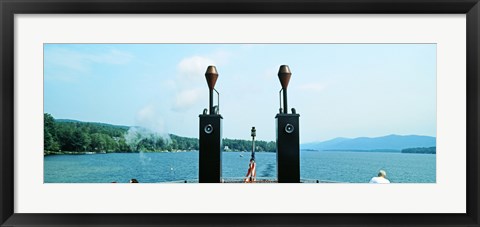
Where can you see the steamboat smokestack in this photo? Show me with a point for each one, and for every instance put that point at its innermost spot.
(211, 75)
(284, 75)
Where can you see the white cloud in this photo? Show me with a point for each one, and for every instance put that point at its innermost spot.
(187, 98)
(194, 67)
(81, 61)
(191, 75)
(271, 72)
(65, 58)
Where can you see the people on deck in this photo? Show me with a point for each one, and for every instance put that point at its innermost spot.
(133, 180)
(251, 174)
(381, 178)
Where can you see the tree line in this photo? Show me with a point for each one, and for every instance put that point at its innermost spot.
(421, 150)
(246, 145)
(61, 136)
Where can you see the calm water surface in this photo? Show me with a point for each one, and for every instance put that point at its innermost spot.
(353, 167)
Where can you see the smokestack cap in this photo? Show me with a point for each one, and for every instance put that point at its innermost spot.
(211, 75)
(284, 75)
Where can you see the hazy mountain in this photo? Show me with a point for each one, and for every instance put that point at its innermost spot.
(390, 142)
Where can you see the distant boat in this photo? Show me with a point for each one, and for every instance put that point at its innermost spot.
(241, 155)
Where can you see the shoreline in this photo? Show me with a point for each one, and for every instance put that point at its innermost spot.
(47, 153)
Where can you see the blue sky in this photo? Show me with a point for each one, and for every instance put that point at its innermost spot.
(339, 90)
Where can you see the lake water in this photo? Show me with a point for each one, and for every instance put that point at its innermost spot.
(353, 167)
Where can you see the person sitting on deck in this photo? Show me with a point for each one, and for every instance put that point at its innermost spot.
(251, 174)
(381, 178)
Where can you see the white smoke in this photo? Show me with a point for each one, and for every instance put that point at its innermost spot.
(144, 159)
(149, 126)
(148, 118)
(135, 135)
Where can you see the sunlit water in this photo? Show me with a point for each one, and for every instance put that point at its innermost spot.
(353, 167)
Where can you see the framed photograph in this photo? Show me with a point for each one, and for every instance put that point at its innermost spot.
(160, 113)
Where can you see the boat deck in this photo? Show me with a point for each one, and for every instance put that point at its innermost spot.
(258, 180)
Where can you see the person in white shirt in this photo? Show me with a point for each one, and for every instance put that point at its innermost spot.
(381, 179)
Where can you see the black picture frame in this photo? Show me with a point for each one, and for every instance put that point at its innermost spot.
(9, 8)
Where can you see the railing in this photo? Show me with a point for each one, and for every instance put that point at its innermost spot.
(258, 180)
(319, 181)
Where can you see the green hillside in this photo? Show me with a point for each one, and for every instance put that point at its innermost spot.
(71, 136)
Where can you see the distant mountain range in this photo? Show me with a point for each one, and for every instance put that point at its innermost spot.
(390, 142)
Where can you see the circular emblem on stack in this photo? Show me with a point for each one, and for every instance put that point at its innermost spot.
(289, 128)
(208, 129)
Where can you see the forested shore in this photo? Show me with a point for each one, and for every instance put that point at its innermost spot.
(420, 150)
(75, 137)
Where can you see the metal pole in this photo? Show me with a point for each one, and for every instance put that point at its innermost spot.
(211, 102)
(285, 107)
(254, 133)
(218, 100)
(253, 148)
